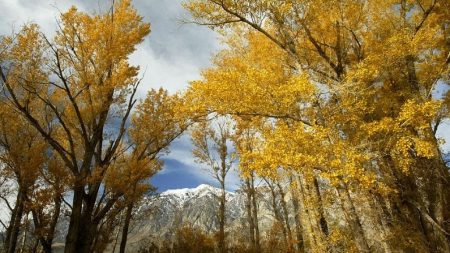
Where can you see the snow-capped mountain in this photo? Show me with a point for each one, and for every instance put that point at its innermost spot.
(159, 217)
(187, 194)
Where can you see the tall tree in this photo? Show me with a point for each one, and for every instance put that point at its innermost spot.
(347, 87)
(212, 148)
(245, 140)
(22, 156)
(155, 124)
(87, 90)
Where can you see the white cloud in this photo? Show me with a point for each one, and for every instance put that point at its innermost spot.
(444, 133)
(16, 13)
(172, 54)
(160, 72)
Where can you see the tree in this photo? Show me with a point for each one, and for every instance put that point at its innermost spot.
(190, 239)
(280, 210)
(211, 147)
(87, 90)
(155, 124)
(37, 176)
(245, 140)
(21, 155)
(346, 87)
(46, 202)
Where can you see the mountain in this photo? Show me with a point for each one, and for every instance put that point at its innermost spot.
(157, 218)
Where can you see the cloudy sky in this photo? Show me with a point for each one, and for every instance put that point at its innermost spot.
(172, 55)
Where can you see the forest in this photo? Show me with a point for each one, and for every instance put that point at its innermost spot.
(327, 109)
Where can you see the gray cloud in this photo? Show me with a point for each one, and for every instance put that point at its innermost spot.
(178, 52)
(172, 55)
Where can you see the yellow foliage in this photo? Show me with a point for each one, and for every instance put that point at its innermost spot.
(326, 87)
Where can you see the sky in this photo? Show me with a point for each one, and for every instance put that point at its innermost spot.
(172, 55)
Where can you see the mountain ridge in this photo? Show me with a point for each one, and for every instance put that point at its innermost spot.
(158, 217)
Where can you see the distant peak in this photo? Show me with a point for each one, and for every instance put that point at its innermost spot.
(200, 189)
(205, 186)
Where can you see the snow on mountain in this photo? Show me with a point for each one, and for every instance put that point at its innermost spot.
(186, 194)
(158, 217)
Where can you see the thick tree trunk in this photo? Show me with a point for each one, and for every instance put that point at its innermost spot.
(47, 248)
(353, 219)
(316, 239)
(72, 239)
(322, 221)
(35, 246)
(276, 212)
(381, 216)
(419, 203)
(126, 225)
(286, 216)
(25, 234)
(12, 232)
(309, 235)
(84, 220)
(87, 234)
(439, 193)
(298, 223)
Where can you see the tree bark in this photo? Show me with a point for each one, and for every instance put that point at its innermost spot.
(248, 205)
(126, 225)
(72, 239)
(25, 234)
(353, 219)
(317, 239)
(276, 212)
(255, 215)
(12, 232)
(298, 223)
(222, 246)
(286, 216)
(322, 221)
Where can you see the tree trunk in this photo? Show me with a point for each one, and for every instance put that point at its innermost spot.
(126, 224)
(46, 240)
(83, 227)
(72, 240)
(255, 215)
(353, 219)
(276, 212)
(298, 223)
(116, 237)
(47, 248)
(35, 246)
(286, 217)
(322, 221)
(317, 239)
(248, 205)
(87, 235)
(222, 246)
(12, 232)
(381, 216)
(439, 201)
(25, 234)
